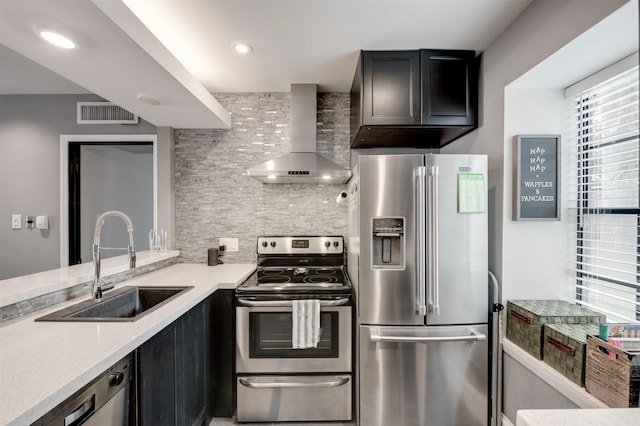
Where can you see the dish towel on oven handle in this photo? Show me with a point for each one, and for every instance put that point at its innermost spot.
(306, 323)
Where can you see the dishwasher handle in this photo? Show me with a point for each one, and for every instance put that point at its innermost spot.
(81, 413)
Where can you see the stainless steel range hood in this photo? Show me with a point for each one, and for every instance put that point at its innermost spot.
(302, 164)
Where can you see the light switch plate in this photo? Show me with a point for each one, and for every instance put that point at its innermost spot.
(231, 244)
(16, 221)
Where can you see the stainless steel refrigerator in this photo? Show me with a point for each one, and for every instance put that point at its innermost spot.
(418, 262)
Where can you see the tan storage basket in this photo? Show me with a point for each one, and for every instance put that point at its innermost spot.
(526, 319)
(565, 349)
(612, 375)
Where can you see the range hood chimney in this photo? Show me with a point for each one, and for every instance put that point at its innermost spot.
(302, 164)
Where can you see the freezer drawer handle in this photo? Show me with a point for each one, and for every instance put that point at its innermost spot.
(276, 385)
(288, 303)
(474, 337)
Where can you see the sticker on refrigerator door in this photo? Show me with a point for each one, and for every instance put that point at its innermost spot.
(471, 193)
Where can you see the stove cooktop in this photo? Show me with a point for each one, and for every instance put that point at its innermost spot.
(295, 280)
(297, 275)
(298, 264)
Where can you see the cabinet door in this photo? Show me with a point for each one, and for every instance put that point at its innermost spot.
(193, 373)
(391, 87)
(174, 374)
(449, 87)
(158, 378)
(223, 352)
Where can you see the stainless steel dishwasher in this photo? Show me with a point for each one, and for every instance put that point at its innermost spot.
(103, 401)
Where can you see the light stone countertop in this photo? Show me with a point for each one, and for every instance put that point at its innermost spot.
(43, 363)
(580, 417)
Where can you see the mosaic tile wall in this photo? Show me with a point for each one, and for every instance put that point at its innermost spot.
(213, 198)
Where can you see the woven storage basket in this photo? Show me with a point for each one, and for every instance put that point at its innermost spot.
(565, 348)
(612, 375)
(526, 319)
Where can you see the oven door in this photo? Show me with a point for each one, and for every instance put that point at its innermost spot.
(264, 338)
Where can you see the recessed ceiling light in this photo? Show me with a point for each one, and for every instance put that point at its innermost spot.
(148, 99)
(241, 48)
(55, 38)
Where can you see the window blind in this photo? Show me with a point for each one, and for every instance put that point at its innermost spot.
(605, 198)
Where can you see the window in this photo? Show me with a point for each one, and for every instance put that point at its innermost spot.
(606, 196)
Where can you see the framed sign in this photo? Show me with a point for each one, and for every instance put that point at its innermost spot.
(537, 177)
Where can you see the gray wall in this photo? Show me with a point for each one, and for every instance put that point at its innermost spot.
(540, 30)
(115, 177)
(543, 28)
(214, 200)
(30, 129)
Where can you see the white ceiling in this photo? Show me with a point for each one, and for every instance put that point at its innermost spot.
(179, 51)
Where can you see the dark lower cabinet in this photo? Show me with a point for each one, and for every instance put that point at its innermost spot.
(223, 353)
(173, 372)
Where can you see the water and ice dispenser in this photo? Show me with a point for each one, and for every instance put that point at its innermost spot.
(388, 241)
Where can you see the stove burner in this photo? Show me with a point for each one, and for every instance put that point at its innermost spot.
(324, 271)
(274, 279)
(275, 271)
(320, 279)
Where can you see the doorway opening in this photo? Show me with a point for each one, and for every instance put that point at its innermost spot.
(108, 176)
(101, 173)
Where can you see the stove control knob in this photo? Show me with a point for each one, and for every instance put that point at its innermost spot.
(336, 244)
(273, 243)
(327, 244)
(264, 244)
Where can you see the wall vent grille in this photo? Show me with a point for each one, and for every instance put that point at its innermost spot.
(104, 113)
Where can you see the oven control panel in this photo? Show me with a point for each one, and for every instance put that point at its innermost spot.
(301, 245)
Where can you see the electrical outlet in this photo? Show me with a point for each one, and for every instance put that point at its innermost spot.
(16, 221)
(230, 244)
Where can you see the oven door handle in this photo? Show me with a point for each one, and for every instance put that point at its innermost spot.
(288, 303)
(297, 384)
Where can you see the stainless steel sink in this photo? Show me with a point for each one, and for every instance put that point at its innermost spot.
(122, 304)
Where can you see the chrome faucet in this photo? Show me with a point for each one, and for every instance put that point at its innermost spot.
(96, 289)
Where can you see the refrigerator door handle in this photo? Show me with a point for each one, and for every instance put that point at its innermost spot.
(434, 284)
(421, 215)
(473, 337)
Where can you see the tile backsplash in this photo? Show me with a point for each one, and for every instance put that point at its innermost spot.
(214, 199)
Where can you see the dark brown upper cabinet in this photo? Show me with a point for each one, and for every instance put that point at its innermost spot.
(413, 98)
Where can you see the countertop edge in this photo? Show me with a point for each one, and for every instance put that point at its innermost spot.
(595, 416)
